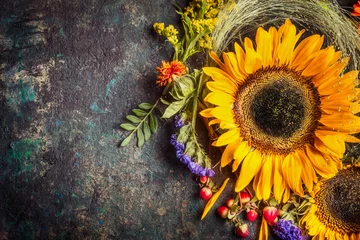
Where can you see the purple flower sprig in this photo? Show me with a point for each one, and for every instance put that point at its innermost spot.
(194, 167)
(286, 230)
(178, 121)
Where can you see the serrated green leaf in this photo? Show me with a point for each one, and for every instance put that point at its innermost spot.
(190, 148)
(133, 119)
(140, 137)
(145, 106)
(139, 112)
(173, 108)
(184, 133)
(127, 126)
(153, 123)
(147, 131)
(126, 140)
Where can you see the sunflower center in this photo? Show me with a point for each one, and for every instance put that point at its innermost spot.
(339, 200)
(277, 110)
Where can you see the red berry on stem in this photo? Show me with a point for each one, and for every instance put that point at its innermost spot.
(245, 197)
(230, 202)
(223, 211)
(205, 193)
(273, 222)
(252, 215)
(203, 179)
(242, 231)
(270, 214)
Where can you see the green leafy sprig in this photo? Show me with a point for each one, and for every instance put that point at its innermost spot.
(143, 123)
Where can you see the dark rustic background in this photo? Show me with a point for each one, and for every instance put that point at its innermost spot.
(70, 72)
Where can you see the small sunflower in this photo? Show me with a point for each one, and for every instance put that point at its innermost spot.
(335, 213)
(168, 71)
(284, 109)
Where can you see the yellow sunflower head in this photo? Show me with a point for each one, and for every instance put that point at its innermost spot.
(335, 213)
(285, 110)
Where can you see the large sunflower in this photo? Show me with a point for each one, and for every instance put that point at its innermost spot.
(335, 213)
(284, 109)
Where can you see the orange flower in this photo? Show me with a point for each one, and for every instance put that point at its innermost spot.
(356, 11)
(168, 71)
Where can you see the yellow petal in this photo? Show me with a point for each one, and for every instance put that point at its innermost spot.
(240, 57)
(287, 45)
(220, 99)
(291, 169)
(215, 57)
(264, 230)
(275, 42)
(232, 66)
(213, 199)
(333, 145)
(223, 113)
(219, 75)
(319, 162)
(308, 174)
(252, 58)
(279, 181)
(227, 125)
(221, 87)
(250, 166)
(228, 153)
(207, 113)
(214, 121)
(305, 48)
(266, 175)
(264, 46)
(320, 62)
(343, 122)
(239, 154)
(228, 137)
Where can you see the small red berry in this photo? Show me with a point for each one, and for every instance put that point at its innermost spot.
(223, 211)
(203, 179)
(205, 193)
(230, 202)
(270, 214)
(252, 215)
(245, 197)
(242, 231)
(273, 222)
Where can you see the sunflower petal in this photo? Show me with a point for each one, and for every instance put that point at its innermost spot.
(264, 46)
(320, 62)
(240, 153)
(264, 230)
(252, 58)
(216, 59)
(279, 181)
(305, 48)
(266, 176)
(219, 75)
(207, 113)
(250, 166)
(221, 87)
(319, 162)
(291, 169)
(232, 66)
(333, 145)
(220, 99)
(228, 153)
(223, 113)
(228, 137)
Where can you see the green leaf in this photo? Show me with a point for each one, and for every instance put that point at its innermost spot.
(153, 123)
(147, 131)
(139, 112)
(173, 108)
(164, 101)
(127, 126)
(140, 136)
(126, 140)
(133, 118)
(145, 106)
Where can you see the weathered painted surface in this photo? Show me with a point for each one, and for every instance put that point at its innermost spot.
(70, 72)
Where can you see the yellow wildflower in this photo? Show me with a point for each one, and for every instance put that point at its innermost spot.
(159, 27)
